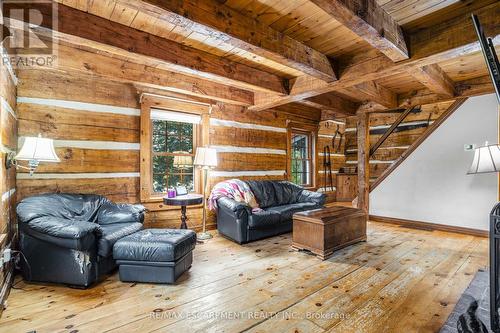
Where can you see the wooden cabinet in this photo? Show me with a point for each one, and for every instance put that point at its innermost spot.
(347, 186)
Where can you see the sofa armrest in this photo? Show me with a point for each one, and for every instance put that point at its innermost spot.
(315, 197)
(120, 213)
(232, 219)
(239, 208)
(63, 228)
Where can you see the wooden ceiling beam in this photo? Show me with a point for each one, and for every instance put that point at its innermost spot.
(373, 92)
(77, 60)
(335, 103)
(467, 88)
(212, 19)
(440, 45)
(82, 29)
(435, 79)
(369, 21)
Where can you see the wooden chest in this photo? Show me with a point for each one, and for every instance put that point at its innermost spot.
(323, 231)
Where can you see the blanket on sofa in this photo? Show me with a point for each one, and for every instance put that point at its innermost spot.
(234, 189)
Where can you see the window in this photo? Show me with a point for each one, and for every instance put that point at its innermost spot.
(171, 129)
(301, 159)
(301, 145)
(173, 149)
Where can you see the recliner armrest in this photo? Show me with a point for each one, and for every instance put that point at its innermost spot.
(315, 197)
(120, 213)
(63, 228)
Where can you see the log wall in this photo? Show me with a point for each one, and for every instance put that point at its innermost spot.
(8, 143)
(95, 124)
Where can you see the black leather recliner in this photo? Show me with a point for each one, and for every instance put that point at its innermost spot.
(69, 238)
(279, 200)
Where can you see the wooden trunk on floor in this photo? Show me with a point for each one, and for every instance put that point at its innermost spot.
(323, 231)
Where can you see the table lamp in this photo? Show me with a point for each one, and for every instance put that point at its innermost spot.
(205, 159)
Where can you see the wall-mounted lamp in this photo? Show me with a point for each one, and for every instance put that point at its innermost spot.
(34, 150)
(486, 159)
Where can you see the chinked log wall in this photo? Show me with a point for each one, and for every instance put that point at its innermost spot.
(398, 142)
(8, 143)
(326, 137)
(95, 124)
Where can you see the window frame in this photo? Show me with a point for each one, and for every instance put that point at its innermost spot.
(200, 139)
(196, 135)
(312, 133)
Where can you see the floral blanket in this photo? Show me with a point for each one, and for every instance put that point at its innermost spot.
(234, 189)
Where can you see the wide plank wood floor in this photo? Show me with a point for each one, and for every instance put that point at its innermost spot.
(400, 280)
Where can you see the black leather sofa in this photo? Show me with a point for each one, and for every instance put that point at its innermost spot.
(279, 200)
(69, 238)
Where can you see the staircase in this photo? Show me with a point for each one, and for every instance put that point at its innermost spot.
(413, 129)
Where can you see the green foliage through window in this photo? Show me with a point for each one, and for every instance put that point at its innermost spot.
(172, 155)
(301, 159)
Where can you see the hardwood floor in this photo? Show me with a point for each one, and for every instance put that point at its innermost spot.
(400, 280)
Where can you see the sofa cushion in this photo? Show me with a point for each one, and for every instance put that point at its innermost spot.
(286, 211)
(155, 245)
(271, 193)
(111, 233)
(263, 218)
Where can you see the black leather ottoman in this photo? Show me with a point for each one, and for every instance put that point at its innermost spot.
(155, 255)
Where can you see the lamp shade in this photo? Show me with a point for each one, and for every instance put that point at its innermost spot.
(205, 157)
(486, 159)
(182, 161)
(39, 149)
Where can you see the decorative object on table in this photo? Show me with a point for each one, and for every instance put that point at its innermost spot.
(34, 150)
(181, 190)
(184, 201)
(171, 193)
(206, 159)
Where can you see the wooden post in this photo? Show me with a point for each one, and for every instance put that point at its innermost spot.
(363, 130)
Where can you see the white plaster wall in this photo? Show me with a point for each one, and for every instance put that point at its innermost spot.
(431, 185)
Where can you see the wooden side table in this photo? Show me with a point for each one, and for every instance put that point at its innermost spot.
(184, 201)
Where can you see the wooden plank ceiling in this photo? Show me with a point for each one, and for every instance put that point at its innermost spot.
(305, 51)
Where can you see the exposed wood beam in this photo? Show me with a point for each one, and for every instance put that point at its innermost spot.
(467, 88)
(72, 59)
(389, 131)
(82, 29)
(369, 21)
(214, 20)
(363, 137)
(435, 79)
(373, 92)
(335, 103)
(439, 47)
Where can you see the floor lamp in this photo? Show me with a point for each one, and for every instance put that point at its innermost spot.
(205, 159)
(486, 160)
